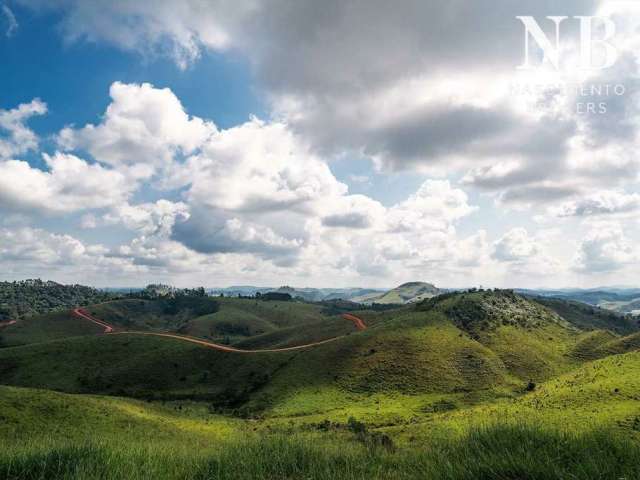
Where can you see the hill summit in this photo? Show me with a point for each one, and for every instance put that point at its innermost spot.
(484, 310)
(410, 292)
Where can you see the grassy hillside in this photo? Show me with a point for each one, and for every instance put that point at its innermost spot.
(588, 317)
(225, 320)
(43, 328)
(155, 314)
(530, 437)
(139, 366)
(598, 394)
(104, 419)
(238, 319)
(466, 344)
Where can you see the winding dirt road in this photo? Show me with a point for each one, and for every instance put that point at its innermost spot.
(109, 329)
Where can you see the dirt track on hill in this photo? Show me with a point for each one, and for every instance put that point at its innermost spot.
(357, 321)
(79, 312)
(109, 329)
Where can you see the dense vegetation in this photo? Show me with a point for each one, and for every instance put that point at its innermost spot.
(31, 297)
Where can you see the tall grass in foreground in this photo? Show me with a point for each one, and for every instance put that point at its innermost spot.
(496, 453)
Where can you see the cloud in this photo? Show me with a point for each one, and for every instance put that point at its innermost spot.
(71, 184)
(434, 206)
(524, 254)
(177, 30)
(606, 202)
(143, 130)
(19, 138)
(30, 245)
(12, 23)
(606, 249)
(212, 235)
(156, 219)
(515, 246)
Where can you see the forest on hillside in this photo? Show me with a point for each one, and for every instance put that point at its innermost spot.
(24, 298)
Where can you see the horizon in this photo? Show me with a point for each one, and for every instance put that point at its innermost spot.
(353, 287)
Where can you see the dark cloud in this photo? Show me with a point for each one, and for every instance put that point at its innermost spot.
(347, 220)
(208, 232)
(536, 194)
(334, 47)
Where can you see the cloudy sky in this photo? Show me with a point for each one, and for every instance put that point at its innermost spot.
(334, 143)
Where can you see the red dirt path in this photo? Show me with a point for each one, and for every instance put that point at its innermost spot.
(357, 321)
(7, 323)
(109, 329)
(79, 312)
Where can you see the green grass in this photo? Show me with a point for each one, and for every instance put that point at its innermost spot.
(47, 327)
(42, 416)
(599, 344)
(496, 453)
(160, 314)
(139, 366)
(240, 320)
(50, 435)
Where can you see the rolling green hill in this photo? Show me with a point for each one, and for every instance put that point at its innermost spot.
(47, 327)
(86, 437)
(487, 375)
(462, 344)
(167, 314)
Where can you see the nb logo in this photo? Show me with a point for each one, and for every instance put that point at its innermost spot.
(607, 54)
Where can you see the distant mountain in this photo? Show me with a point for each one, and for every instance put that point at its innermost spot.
(621, 300)
(308, 294)
(410, 292)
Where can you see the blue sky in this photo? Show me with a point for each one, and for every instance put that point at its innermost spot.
(216, 144)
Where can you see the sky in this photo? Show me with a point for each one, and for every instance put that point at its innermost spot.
(320, 144)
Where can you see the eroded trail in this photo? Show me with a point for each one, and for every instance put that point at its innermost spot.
(109, 329)
(357, 321)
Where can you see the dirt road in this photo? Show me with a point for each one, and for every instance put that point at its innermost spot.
(79, 312)
(357, 321)
(109, 329)
(7, 323)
